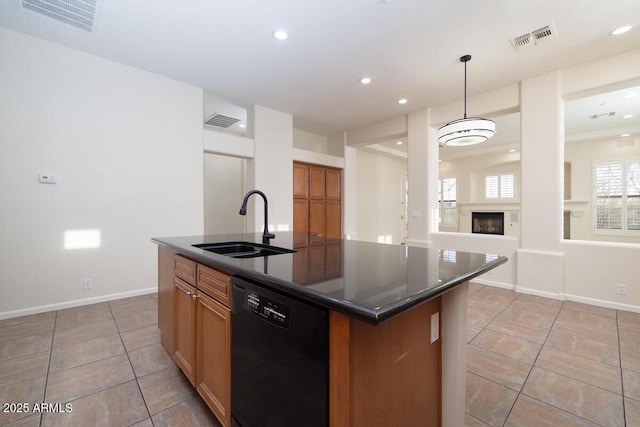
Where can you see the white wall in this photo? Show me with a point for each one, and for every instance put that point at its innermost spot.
(378, 197)
(126, 146)
(224, 189)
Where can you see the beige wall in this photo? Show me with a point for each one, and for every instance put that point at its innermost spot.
(126, 146)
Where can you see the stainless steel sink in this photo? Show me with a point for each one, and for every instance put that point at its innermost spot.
(243, 249)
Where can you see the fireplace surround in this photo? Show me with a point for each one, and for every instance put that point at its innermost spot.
(487, 222)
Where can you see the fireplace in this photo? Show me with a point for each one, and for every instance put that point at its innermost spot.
(487, 222)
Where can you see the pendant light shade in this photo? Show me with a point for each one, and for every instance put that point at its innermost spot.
(466, 131)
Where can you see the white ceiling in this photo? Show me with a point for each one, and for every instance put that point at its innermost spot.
(410, 48)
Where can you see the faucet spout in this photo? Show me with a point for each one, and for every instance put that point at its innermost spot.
(243, 211)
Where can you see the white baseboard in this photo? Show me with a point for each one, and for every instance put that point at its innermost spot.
(75, 303)
(560, 296)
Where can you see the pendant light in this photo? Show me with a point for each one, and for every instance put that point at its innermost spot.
(466, 131)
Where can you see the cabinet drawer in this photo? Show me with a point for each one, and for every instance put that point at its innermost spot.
(214, 283)
(185, 269)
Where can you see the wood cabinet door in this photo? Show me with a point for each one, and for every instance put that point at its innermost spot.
(316, 221)
(333, 224)
(300, 180)
(213, 356)
(333, 184)
(300, 222)
(316, 182)
(184, 317)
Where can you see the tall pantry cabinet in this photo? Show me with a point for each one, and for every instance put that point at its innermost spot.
(317, 223)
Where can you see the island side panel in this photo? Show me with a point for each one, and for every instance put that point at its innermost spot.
(388, 374)
(454, 354)
(166, 265)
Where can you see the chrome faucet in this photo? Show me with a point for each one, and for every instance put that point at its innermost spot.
(243, 211)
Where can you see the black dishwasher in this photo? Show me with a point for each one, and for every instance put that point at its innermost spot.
(279, 359)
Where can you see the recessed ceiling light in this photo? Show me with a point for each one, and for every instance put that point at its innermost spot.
(365, 80)
(631, 95)
(280, 34)
(402, 101)
(399, 143)
(513, 150)
(627, 116)
(242, 125)
(624, 135)
(621, 30)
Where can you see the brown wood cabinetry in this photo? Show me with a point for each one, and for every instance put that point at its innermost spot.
(316, 204)
(202, 332)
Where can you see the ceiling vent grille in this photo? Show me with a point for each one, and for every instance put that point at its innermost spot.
(221, 120)
(534, 37)
(602, 115)
(77, 13)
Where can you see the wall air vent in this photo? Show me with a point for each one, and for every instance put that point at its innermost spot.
(628, 142)
(534, 37)
(602, 115)
(77, 13)
(221, 120)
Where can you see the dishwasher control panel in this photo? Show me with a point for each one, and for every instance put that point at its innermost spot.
(268, 309)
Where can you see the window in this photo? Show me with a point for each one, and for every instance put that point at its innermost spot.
(500, 186)
(616, 192)
(447, 196)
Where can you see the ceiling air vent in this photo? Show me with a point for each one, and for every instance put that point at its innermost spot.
(602, 115)
(221, 121)
(534, 37)
(77, 13)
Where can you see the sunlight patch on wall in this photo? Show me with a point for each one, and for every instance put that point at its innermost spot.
(82, 239)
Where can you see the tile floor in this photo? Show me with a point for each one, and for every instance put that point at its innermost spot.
(535, 361)
(105, 360)
(531, 361)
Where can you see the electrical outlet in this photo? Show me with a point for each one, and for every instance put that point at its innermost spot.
(621, 289)
(87, 284)
(435, 327)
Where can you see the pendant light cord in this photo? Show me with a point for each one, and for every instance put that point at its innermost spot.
(465, 89)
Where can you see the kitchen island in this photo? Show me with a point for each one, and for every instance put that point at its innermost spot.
(397, 319)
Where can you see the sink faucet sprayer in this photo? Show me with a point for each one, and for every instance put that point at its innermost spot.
(243, 211)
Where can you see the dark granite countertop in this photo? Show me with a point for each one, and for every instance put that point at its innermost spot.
(369, 281)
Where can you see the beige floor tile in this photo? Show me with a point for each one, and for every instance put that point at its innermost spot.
(549, 303)
(85, 352)
(25, 346)
(588, 308)
(479, 318)
(47, 317)
(632, 412)
(472, 332)
(150, 359)
(84, 333)
(581, 369)
(487, 401)
(528, 412)
(29, 391)
(131, 320)
(142, 337)
(507, 345)
(581, 399)
(629, 340)
(501, 369)
(189, 413)
(24, 368)
(144, 423)
(628, 317)
(630, 359)
(631, 381)
(475, 287)
(576, 344)
(524, 331)
(75, 318)
(30, 421)
(138, 303)
(592, 320)
(470, 421)
(121, 405)
(607, 336)
(492, 298)
(65, 386)
(529, 317)
(21, 329)
(164, 389)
